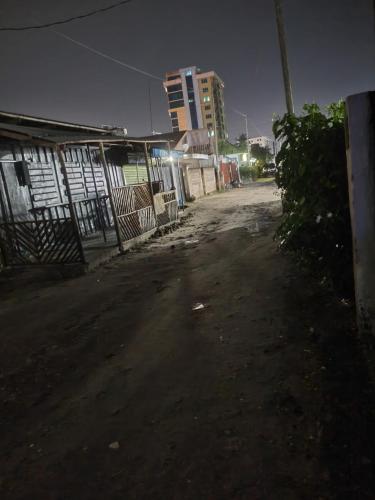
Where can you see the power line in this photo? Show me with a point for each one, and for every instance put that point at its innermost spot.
(106, 56)
(65, 21)
(250, 120)
(239, 112)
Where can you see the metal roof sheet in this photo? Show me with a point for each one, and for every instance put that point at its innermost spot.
(54, 137)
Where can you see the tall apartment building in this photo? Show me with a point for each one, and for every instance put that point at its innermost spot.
(196, 101)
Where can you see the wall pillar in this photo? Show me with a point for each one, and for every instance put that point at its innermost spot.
(360, 131)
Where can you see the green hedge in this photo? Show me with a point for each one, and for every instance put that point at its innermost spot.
(312, 176)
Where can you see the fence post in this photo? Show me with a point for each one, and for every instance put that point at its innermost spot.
(110, 195)
(173, 171)
(70, 202)
(150, 184)
(98, 204)
(360, 149)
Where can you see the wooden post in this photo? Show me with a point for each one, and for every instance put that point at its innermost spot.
(70, 202)
(361, 178)
(174, 180)
(202, 177)
(110, 195)
(150, 183)
(101, 217)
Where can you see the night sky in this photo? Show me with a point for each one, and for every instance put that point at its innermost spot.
(331, 47)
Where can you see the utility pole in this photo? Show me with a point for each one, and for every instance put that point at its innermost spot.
(244, 115)
(247, 140)
(217, 162)
(284, 57)
(150, 106)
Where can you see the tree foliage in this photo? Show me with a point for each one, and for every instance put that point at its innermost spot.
(245, 173)
(241, 142)
(227, 148)
(312, 176)
(261, 154)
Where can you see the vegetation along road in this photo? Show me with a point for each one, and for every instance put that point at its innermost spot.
(204, 365)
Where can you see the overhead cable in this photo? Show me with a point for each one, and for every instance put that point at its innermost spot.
(106, 56)
(65, 21)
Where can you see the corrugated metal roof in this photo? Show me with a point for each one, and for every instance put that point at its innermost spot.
(6, 116)
(54, 136)
(167, 137)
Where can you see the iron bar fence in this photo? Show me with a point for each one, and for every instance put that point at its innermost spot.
(92, 214)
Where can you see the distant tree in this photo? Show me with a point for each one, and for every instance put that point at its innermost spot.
(241, 142)
(227, 148)
(261, 154)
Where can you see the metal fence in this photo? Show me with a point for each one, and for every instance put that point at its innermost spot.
(134, 210)
(92, 214)
(39, 242)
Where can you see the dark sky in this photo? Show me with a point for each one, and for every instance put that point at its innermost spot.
(331, 50)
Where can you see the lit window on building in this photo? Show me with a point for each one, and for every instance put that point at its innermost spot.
(188, 73)
(206, 98)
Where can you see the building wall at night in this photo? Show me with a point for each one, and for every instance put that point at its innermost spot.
(264, 142)
(196, 100)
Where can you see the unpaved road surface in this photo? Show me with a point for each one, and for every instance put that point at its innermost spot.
(112, 387)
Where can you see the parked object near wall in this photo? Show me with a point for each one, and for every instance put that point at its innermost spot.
(230, 173)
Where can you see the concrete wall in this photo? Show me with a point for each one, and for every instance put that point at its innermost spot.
(199, 181)
(361, 178)
(209, 180)
(194, 183)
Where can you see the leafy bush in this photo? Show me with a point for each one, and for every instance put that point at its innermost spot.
(312, 175)
(245, 173)
(256, 171)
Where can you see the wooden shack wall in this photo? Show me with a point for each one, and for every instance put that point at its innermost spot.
(47, 183)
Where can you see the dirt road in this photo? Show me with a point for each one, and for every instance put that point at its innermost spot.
(112, 387)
